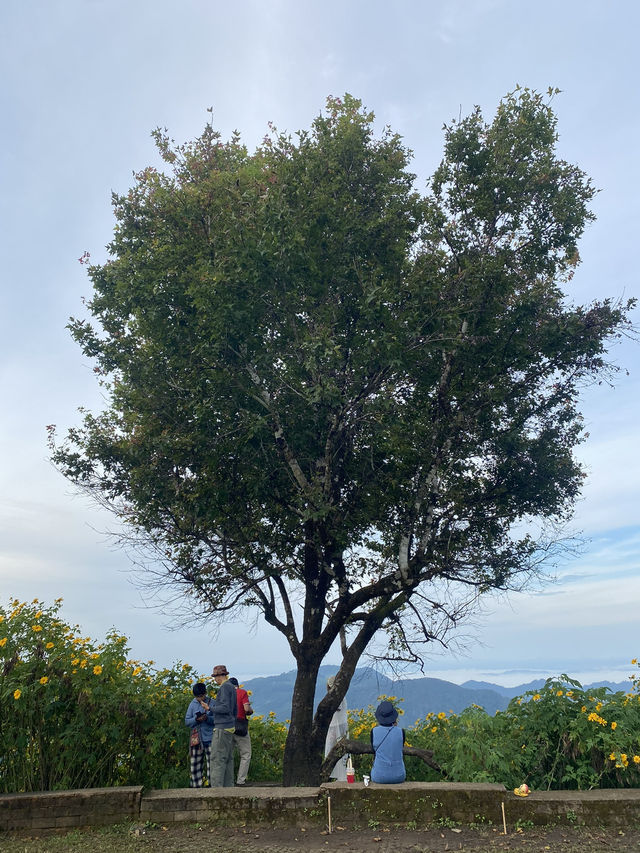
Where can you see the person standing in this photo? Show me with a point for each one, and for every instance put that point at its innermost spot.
(224, 708)
(338, 728)
(200, 720)
(387, 741)
(241, 737)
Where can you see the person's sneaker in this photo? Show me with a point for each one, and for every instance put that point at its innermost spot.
(240, 784)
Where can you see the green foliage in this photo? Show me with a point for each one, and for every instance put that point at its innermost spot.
(561, 737)
(268, 738)
(74, 713)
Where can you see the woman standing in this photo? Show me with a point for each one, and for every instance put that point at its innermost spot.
(200, 720)
(338, 728)
(387, 741)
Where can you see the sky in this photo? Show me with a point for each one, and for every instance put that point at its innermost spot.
(82, 85)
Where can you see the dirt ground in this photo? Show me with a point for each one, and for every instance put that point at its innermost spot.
(181, 838)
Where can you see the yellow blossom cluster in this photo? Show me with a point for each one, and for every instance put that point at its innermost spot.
(595, 718)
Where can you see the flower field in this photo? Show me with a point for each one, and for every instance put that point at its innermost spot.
(75, 713)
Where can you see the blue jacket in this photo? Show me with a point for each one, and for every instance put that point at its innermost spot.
(388, 763)
(206, 728)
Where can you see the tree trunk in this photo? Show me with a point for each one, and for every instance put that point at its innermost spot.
(304, 748)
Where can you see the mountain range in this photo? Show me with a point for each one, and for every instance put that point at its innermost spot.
(420, 696)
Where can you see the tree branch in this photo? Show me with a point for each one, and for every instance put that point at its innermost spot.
(357, 747)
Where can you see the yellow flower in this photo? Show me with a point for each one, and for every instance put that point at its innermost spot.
(559, 693)
(83, 663)
(636, 759)
(536, 697)
(441, 715)
(583, 709)
(137, 670)
(434, 729)
(97, 669)
(1, 619)
(38, 614)
(3, 642)
(44, 679)
(594, 718)
(17, 694)
(612, 757)
(614, 726)
(36, 628)
(634, 661)
(75, 661)
(49, 646)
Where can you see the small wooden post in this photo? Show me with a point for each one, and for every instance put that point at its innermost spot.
(329, 813)
(504, 820)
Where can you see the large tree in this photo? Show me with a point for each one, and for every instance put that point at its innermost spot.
(333, 398)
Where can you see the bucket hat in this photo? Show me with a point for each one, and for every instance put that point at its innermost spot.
(386, 714)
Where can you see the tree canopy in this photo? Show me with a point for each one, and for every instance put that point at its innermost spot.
(335, 398)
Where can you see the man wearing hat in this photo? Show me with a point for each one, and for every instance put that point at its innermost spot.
(387, 741)
(224, 708)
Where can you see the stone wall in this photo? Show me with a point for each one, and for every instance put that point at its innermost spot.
(234, 806)
(422, 803)
(60, 810)
(412, 804)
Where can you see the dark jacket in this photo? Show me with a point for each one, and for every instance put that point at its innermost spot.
(224, 706)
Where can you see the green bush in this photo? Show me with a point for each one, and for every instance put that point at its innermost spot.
(561, 737)
(75, 713)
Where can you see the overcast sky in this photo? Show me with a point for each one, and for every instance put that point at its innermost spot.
(84, 82)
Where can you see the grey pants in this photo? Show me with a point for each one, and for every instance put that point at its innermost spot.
(221, 759)
(243, 744)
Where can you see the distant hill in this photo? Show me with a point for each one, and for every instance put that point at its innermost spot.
(421, 695)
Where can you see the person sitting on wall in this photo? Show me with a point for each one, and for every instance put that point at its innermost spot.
(387, 741)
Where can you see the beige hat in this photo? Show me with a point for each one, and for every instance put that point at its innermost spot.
(220, 670)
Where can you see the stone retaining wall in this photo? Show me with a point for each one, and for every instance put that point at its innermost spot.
(60, 810)
(412, 804)
(421, 803)
(233, 806)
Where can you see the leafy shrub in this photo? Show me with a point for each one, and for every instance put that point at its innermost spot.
(75, 713)
(561, 737)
